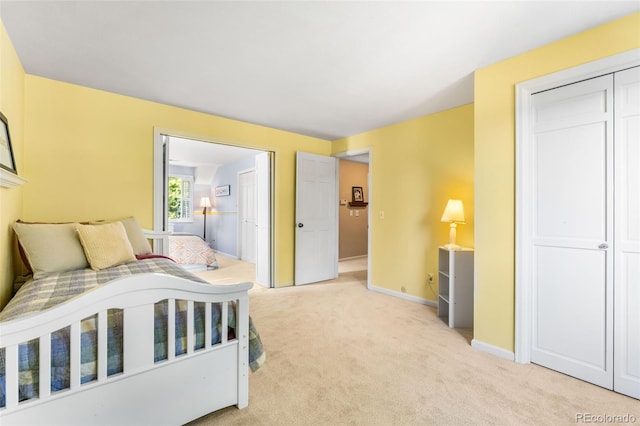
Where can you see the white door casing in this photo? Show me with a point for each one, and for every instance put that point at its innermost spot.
(160, 181)
(161, 148)
(263, 218)
(316, 226)
(627, 233)
(572, 262)
(247, 215)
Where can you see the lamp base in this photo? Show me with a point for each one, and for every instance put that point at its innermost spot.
(452, 238)
(452, 247)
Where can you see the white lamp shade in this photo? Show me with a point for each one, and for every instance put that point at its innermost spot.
(454, 212)
(205, 202)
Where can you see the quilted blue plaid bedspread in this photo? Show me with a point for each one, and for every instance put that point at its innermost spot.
(37, 295)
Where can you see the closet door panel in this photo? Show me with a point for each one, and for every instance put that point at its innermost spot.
(570, 160)
(559, 342)
(627, 233)
(572, 265)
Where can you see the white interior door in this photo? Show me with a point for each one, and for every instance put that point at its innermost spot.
(572, 262)
(627, 233)
(263, 218)
(316, 235)
(247, 215)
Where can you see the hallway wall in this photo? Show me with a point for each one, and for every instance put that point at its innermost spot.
(353, 221)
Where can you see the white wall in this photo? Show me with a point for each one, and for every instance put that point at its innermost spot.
(225, 219)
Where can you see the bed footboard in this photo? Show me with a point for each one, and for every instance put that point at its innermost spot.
(209, 374)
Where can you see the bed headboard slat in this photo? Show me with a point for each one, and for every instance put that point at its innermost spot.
(45, 365)
(138, 337)
(225, 323)
(102, 345)
(207, 325)
(190, 327)
(11, 375)
(171, 329)
(74, 355)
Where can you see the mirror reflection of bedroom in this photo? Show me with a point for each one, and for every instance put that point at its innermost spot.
(213, 194)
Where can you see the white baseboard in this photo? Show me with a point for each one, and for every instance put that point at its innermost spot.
(493, 350)
(226, 254)
(404, 296)
(353, 257)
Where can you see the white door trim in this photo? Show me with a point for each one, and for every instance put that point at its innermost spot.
(345, 155)
(159, 166)
(524, 90)
(158, 187)
(264, 218)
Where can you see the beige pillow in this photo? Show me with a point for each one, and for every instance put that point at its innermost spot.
(138, 241)
(105, 245)
(50, 247)
(136, 237)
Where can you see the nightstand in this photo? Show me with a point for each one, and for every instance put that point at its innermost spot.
(455, 287)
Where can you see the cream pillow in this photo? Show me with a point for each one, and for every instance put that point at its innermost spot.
(50, 247)
(136, 237)
(105, 245)
(138, 241)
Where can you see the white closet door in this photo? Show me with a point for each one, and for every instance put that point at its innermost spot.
(627, 233)
(247, 213)
(572, 262)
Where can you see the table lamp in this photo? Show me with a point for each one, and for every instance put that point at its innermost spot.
(453, 213)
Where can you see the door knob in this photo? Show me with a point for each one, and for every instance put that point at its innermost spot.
(300, 225)
(603, 246)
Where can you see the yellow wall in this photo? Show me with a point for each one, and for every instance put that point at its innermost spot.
(495, 164)
(12, 106)
(416, 166)
(89, 155)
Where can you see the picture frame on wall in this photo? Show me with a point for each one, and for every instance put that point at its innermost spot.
(356, 194)
(223, 191)
(7, 161)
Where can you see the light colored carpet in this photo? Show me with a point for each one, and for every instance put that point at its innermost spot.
(339, 354)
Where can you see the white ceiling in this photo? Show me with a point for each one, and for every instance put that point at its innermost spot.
(193, 153)
(322, 68)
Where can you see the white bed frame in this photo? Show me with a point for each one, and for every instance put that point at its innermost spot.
(171, 392)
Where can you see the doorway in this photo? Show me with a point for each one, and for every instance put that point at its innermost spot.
(354, 240)
(316, 225)
(215, 168)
